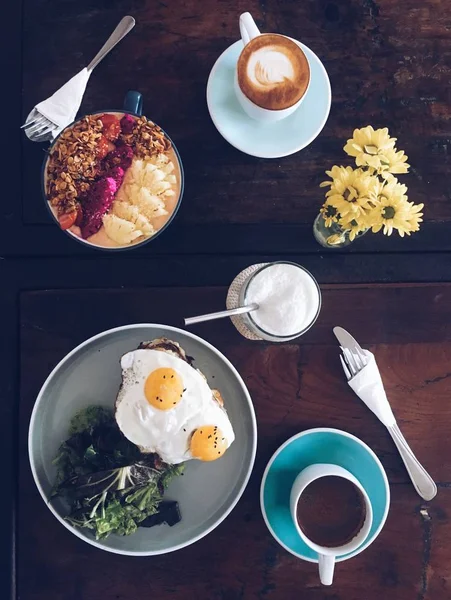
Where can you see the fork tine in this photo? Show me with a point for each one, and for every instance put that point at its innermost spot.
(362, 356)
(28, 124)
(349, 361)
(35, 120)
(37, 129)
(358, 360)
(345, 368)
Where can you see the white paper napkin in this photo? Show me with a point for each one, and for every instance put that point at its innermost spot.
(62, 107)
(368, 386)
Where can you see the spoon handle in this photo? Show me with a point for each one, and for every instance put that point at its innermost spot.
(219, 315)
(422, 481)
(124, 26)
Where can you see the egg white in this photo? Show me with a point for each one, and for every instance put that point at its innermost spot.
(166, 432)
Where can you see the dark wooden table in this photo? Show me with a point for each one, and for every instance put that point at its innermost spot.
(389, 64)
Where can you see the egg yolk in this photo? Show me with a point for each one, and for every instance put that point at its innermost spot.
(208, 443)
(163, 388)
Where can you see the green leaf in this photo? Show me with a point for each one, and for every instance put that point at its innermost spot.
(88, 418)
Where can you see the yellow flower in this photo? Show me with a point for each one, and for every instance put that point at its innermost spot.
(393, 162)
(388, 189)
(350, 190)
(376, 149)
(393, 211)
(415, 216)
(330, 214)
(354, 226)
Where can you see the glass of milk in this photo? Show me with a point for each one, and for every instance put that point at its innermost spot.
(289, 301)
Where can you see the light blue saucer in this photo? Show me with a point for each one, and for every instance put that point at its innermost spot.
(267, 140)
(322, 445)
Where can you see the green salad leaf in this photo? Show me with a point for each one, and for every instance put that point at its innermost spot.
(109, 483)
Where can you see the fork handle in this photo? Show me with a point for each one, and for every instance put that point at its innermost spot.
(124, 26)
(422, 481)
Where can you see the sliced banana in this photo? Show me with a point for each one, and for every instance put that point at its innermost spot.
(141, 198)
(119, 230)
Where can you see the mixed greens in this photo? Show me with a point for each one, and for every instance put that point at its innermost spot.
(111, 486)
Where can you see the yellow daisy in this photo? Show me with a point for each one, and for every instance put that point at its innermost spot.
(388, 189)
(354, 227)
(393, 161)
(415, 216)
(350, 190)
(391, 212)
(330, 214)
(367, 144)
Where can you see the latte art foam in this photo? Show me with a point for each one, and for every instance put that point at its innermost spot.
(269, 67)
(273, 71)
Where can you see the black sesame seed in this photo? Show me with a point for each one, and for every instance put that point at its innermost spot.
(164, 376)
(219, 453)
(184, 429)
(209, 436)
(172, 376)
(161, 400)
(184, 390)
(174, 403)
(201, 430)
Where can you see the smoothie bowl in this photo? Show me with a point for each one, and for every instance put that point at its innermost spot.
(113, 180)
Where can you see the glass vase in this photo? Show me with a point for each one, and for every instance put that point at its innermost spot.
(334, 236)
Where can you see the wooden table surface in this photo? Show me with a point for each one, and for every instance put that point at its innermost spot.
(294, 387)
(389, 63)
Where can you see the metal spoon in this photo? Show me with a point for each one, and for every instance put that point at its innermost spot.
(223, 313)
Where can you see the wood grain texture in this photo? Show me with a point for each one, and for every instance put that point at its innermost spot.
(388, 63)
(294, 387)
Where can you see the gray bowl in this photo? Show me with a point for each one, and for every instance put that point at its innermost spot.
(91, 374)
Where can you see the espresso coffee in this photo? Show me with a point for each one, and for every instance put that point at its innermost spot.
(273, 72)
(331, 511)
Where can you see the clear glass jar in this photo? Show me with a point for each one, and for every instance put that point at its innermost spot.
(334, 236)
(250, 321)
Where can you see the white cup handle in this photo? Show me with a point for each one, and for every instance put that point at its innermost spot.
(326, 565)
(248, 28)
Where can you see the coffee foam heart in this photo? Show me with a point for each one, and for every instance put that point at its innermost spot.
(269, 66)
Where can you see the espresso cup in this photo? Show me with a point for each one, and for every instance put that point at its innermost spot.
(327, 554)
(280, 73)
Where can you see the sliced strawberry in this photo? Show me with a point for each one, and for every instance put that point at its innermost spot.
(111, 127)
(67, 219)
(108, 118)
(103, 147)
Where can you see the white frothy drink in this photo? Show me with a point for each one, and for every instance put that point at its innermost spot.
(288, 299)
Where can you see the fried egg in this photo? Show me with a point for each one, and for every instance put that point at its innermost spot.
(166, 406)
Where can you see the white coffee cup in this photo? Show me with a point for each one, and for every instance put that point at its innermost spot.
(326, 555)
(249, 31)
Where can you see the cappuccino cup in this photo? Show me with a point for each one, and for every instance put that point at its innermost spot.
(272, 75)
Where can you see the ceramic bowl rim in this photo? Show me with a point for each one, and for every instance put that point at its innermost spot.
(39, 401)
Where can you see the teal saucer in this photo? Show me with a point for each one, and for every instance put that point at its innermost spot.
(321, 445)
(267, 140)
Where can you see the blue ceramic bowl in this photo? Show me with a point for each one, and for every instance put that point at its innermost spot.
(323, 445)
(133, 105)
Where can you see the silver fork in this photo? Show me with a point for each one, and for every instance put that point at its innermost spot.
(39, 128)
(353, 362)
